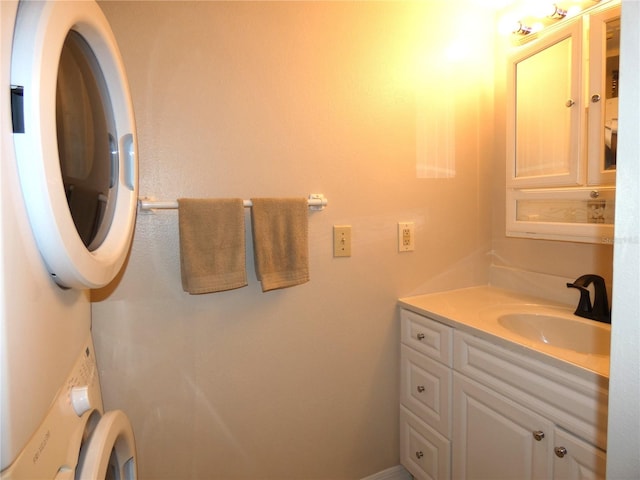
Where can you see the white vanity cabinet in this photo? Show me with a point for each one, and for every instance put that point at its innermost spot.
(562, 128)
(497, 438)
(473, 408)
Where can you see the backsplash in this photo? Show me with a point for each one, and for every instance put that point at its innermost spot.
(543, 285)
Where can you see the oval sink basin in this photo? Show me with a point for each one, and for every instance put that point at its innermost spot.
(563, 331)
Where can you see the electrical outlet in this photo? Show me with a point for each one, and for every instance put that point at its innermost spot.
(406, 237)
(342, 240)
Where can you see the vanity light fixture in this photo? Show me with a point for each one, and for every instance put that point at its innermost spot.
(521, 29)
(555, 12)
(534, 17)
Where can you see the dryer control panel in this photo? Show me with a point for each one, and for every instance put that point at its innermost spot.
(54, 448)
(81, 384)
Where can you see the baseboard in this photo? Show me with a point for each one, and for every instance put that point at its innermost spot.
(394, 473)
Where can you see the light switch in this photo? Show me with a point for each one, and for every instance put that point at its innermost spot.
(342, 240)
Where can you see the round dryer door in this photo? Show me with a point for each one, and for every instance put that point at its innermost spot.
(110, 451)
(75, 140)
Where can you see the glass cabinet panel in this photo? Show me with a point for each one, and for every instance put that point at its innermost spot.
(571, 210)
(604, 61)
(578, 214)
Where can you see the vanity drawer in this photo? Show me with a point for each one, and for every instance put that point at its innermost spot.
(423, 451)
(427, 336)
(425, 389)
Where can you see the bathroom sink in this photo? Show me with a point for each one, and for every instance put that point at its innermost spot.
(562, 330)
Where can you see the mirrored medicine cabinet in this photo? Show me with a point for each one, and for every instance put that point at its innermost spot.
(562, 129)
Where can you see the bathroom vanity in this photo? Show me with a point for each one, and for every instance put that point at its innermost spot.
(495, 384)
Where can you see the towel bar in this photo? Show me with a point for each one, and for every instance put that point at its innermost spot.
(316, 201)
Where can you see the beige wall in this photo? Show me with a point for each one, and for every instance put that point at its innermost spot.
(241, 99)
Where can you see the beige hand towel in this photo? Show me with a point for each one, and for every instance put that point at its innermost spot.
(280, 241)
(212, 244)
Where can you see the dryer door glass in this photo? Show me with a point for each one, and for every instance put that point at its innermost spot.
(76, 142)
(87, 147)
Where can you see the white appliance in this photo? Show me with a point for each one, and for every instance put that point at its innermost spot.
(67, 212)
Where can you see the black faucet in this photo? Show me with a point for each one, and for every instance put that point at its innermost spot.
(599, 310)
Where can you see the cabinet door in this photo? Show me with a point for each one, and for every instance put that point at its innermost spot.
(604, 61)
(575, 459)
(495, 438)
(544, 144)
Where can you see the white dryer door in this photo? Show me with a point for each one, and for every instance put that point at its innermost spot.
(110, 451)
(75, 139)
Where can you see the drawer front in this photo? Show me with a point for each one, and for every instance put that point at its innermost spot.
(423, 451)
(432, 338)
(425, 389)
(574, 403)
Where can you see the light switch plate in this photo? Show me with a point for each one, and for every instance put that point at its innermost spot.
(342, 240)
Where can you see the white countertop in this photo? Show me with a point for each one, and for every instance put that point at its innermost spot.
(463, 309)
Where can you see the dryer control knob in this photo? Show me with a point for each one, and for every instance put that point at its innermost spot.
(81, 400)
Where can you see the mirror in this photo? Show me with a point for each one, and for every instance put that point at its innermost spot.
(545, 105)
(612, 67)
(543, 116)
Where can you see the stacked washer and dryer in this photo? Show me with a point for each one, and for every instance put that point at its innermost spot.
(67, 214)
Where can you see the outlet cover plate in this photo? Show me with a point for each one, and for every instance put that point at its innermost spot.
(406, 236)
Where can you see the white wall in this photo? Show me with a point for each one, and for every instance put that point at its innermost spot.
(241, 99)
(623, 448)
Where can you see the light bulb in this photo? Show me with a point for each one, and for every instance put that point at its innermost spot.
(508, 24)
(573, 10)
(536, 27)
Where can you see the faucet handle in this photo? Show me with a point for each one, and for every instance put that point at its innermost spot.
(585, 308)
(578, 286)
